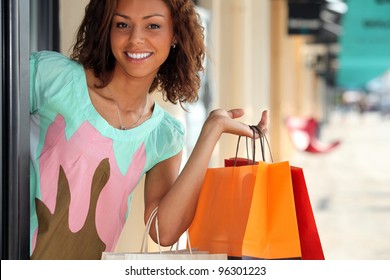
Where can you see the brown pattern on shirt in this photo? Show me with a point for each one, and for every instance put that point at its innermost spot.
(55, 240)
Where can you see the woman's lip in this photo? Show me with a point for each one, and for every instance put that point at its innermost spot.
(138, 55)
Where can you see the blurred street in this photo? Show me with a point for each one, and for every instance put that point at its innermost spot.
(350, 187)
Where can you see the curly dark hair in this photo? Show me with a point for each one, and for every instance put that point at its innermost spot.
(178, 77)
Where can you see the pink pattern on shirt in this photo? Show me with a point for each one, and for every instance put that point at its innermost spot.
(79, 156)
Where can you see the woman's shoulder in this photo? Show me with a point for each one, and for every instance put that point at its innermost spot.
(169, 123)
(50, 62)
(48, 58)
(51, 73)
(49, 65)
(168, 137)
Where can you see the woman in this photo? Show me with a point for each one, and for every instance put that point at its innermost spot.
(96, 129)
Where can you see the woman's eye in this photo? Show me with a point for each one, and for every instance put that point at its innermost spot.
(154, 26)
(121, 25)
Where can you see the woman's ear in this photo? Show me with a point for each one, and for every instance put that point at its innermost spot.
(174, 43)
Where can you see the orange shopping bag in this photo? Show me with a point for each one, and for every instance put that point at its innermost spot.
(272, 229)
(223, 207)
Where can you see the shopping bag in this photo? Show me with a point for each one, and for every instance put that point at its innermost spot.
(144, 254)
(222, 210)
(223, 207)
(272, 229)
(227, 210)
(310, 242)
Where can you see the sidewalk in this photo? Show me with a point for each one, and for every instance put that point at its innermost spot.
(350, 187)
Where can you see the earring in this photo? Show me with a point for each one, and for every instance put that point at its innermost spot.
(173, 46)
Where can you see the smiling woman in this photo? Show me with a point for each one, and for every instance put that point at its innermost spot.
(179, 76)
(97, 130)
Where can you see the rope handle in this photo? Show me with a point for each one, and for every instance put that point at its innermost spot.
(262, 137)
(144, 245)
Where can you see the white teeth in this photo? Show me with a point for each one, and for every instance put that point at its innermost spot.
(139, 55)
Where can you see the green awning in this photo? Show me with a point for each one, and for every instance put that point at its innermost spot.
(364, 42)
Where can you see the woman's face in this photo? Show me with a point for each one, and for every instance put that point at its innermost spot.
(141, 37)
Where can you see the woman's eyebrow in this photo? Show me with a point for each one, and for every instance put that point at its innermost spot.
(145, 17)
(153, 15)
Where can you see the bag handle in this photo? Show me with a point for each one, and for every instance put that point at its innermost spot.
(262, 137)
(246, 146)
(144, 245)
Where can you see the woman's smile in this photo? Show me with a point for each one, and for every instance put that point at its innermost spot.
(139, 56)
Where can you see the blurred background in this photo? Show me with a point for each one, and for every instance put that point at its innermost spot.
(321, 68)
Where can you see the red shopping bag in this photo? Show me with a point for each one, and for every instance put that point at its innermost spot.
(311, 247)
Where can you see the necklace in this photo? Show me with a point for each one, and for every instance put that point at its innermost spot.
(122, 127)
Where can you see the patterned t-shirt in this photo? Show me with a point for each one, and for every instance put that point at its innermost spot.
(83, 171)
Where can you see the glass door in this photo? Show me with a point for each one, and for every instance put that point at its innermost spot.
(15, 129)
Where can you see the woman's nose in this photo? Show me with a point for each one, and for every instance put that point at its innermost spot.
(136, 36)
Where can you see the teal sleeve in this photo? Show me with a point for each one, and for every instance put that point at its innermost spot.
(174, 138)
(50, 73)
(167, 141)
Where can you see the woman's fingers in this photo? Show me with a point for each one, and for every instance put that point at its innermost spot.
(263, 124)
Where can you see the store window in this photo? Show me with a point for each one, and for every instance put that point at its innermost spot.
(25, 26)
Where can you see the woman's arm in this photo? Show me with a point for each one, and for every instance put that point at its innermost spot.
(177, 196)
